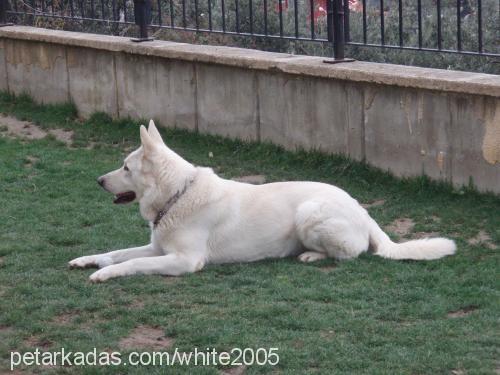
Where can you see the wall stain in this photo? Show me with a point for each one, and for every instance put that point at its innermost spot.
(37, 55)
(491, 140)
(370, 93)
(405, 104)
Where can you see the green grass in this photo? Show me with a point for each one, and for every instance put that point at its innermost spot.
(368, 315)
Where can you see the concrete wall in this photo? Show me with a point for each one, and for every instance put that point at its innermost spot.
(408, 120)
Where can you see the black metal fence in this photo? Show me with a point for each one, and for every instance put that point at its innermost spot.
(470, 27)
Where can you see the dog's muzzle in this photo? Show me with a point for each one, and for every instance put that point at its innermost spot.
(124, 197)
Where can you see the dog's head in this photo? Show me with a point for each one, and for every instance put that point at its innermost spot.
(141, 169)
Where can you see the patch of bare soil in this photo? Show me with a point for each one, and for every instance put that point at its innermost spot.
(462, 312)
(30, 160)
(257, 179)
(37, 342)
(65, 318)
(376, 203)
(137, 304)
(91, 322)
(5, 330)
(21, 129)
(238, 370)
(143, 337)
(483, 238)
(327, 334)
(62, 135)
(402, 227)
(18, 372)
(28, 130)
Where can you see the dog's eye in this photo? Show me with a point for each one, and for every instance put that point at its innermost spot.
(126, 168)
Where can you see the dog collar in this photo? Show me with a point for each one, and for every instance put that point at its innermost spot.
(171, 201)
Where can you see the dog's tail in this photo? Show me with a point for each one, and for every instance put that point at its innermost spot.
(423, 249)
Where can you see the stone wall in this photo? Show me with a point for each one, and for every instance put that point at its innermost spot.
(409, 120)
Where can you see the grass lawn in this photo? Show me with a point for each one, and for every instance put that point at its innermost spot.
(367, 315)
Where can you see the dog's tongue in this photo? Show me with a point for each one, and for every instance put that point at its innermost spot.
(125, 197)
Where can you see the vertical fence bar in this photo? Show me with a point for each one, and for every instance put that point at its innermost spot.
(250, 11)
(338, 37)
(82, 9)
(365, 32)
(296, 16)
(196, 18)
(419, 16)
(3, 13)
(43, 5)
(184, 22)
(71, 8)
(142, 15)
(335, 28)
(480, 26)
(102, 9)
(330, 6)
(92, 9)
(172, 14)
(459, 26)
(125, 18)
(237, 15)
(400, 18)
(265, 17)
(382, 23)
(158, 3)
(311, 3)
(347, 36)
(439, 26)
(223, 6)
(334, 13)
(210, 15)
(280, 8)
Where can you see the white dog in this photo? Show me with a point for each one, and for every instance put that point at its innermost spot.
(198, 218)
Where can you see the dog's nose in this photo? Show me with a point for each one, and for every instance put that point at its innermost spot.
(100, 181)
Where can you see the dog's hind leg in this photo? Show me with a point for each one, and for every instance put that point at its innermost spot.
(311, 256)
(114, 257)
(328, 230)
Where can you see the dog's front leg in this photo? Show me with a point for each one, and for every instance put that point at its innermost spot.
(173, 264)
(114, 257)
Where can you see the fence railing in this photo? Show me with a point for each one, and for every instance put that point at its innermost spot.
(452, 26)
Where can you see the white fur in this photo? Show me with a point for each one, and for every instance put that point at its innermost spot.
(223, 221)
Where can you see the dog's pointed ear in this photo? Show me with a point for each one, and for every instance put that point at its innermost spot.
(153, 132)
(146, 140)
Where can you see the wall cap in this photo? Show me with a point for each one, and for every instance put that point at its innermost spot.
(365, 72)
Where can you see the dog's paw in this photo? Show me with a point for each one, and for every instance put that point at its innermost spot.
(311, 256)
(104, 274)
(84, 262)
(89, 261)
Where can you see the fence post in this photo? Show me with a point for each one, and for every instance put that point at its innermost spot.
(335, 29)
(3, 13)
(142, 14)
